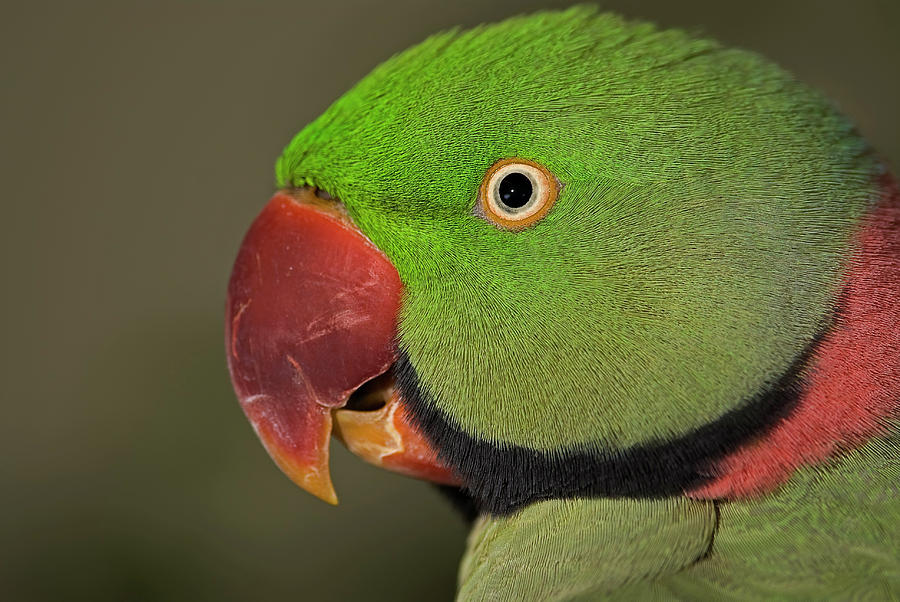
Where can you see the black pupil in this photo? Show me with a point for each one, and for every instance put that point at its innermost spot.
(515, 190)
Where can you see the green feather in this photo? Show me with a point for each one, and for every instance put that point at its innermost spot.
(565, 549)
(659, 292)
(832, 533)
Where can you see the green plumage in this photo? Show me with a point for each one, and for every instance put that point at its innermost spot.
(659, 293)
(833, 533)
(697, 180)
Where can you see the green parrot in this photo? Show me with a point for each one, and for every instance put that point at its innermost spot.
(630, 297)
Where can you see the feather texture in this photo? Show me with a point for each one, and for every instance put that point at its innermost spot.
(717, 243)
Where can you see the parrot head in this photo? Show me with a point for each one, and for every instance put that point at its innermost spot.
(562, 255)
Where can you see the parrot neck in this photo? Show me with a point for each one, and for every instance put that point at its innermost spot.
(852, 392)
(842, 390)
(503, 478)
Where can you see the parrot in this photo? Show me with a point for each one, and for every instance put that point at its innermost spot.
(630, 297)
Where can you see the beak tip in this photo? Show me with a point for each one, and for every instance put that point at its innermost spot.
(314, 479)
(310, 474)
(326, 494)
(321, 487)
(311, 480)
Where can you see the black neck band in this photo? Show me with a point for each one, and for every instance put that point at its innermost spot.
(501, 478)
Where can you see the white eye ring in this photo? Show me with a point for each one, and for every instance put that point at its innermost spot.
(499, 206)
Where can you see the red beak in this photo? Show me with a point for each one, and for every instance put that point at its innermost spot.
(311, 315)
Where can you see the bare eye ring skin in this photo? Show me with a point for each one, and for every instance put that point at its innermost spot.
(512, 212)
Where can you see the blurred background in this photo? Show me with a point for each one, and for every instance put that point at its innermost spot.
(138, 143)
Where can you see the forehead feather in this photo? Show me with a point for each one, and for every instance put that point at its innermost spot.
(587, 94)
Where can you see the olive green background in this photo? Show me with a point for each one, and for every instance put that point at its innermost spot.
(137, 145)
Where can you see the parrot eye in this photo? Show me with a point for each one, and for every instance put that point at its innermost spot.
(517, 193)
